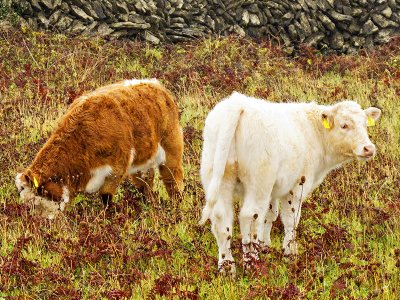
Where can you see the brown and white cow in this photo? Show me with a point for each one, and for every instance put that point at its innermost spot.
(273, 154)
(122, 129)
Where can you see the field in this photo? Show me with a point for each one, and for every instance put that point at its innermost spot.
(349, 233)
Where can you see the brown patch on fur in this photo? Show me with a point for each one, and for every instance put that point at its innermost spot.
(101, 128)
(231, 170)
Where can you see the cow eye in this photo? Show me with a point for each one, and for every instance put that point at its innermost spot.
(344, 126)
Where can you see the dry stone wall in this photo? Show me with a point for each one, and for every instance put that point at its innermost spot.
(334, 25)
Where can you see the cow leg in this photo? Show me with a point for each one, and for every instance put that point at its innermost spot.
(172, 171)
(109, 188)
(290, 216)
(143, 182)
(251, 217)
(272, 215)
(222, 227)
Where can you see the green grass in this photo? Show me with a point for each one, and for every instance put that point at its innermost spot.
(349, 233)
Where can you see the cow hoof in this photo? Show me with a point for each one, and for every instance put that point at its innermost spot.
(264, 247)
(227, 268)
(292, 250)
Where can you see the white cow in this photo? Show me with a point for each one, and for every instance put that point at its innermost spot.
(270, 152)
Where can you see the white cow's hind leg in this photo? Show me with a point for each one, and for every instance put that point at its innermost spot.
(251, 217)
(222, 227)
(290, 216)
(272, 215)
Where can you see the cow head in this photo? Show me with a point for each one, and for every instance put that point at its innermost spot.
(346, 125)
(47, 196)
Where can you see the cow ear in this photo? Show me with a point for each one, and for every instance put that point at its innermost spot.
(372, 113)
(327, 119)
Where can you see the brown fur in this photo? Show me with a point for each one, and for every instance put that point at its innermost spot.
(101, 128)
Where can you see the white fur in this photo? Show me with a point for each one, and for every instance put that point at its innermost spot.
(139, 81)
(155, 161)
(65, 195)
(98, 176)
(272, 146)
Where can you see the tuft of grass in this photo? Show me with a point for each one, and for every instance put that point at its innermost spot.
(349, 233)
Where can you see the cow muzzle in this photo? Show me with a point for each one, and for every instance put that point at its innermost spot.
(366, 152)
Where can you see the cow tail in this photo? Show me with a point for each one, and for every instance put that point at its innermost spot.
(225, 136)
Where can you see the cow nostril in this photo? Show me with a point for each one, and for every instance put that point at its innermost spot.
(368, 150)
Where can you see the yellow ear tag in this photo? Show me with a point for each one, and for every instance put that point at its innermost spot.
(370, 122)
(35, 182)
(325, 123)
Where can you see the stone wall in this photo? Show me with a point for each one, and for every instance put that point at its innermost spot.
(337, 25)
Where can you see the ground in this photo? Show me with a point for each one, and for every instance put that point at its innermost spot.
(349, 233)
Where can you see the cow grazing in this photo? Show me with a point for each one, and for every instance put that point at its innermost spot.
(122, 129)
(271, 153)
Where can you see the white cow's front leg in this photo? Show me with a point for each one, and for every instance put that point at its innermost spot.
(222, 228)
(290, 216)
(272, 215)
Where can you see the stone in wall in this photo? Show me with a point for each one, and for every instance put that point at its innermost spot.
(337, 25)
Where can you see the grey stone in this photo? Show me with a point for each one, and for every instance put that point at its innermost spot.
(122, 7)
(35, 5)
(98, 10)
(130, 25)
(134, 18)
(104, 30)
(358, 41)
(238, 30)
(80, 13)
(77, 27)
(382, 22)
(288, 16)
(42, 20)
(369, 28)
(56, 3)
(47, 3)
(384, 36)
(91, 29)
(245, 17)
(340, 17)
(65, 7)
(336, 41)
(387, 12)
(356, 12)
(88, 9)
(254, 20)
(148, 36)
(55, 17)
(326, 22)
(292, 32)
(305, 24)
(63, 23)
(324, 5)
(354, 28)
(313, 39)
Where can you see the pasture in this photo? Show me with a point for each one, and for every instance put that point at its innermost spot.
(349, 233)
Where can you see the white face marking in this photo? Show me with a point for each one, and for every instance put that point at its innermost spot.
(155, 161)
(132, 157)
(19, 183)
(25, 191)
(65, 195)
(139, 81)
(98, 176)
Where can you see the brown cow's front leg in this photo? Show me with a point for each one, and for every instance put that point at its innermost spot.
(144, 182)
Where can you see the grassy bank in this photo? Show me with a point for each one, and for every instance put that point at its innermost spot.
(152, 248)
